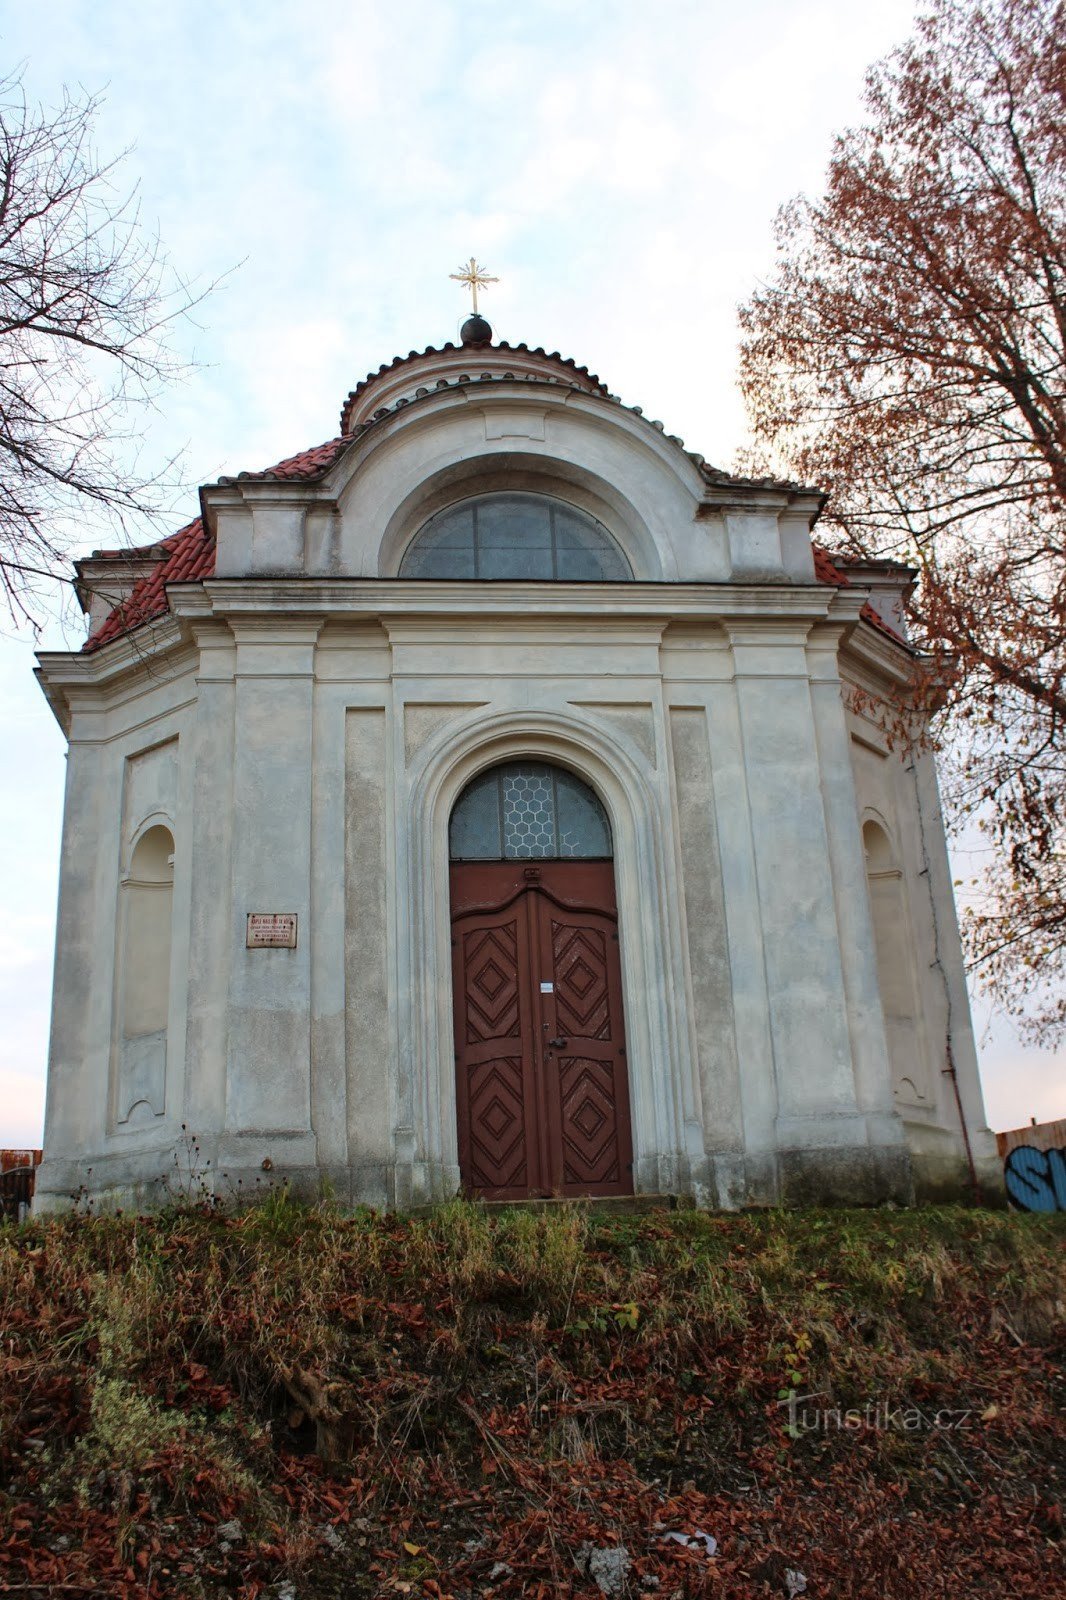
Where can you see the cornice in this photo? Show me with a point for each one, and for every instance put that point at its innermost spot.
(221, 610)
(158, 651)
(144, 648)
(721, 499)
(879, 656)
(375, 598)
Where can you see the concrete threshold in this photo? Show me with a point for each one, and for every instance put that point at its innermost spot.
(620, 1205)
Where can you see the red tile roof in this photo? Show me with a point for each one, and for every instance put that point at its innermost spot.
(307, 464)
(868, 614)
(826, 570)
(189, 555)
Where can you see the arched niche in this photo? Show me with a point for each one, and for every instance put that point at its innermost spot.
(146, 916)
(895, 973)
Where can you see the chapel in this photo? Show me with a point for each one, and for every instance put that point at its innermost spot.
(494, 800)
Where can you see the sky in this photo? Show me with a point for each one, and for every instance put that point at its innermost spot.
(617, 165)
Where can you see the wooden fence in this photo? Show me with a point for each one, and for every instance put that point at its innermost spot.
(17, 1171)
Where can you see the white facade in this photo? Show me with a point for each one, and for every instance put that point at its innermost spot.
(301, 724)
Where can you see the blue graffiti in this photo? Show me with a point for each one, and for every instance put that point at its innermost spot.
(1036, 1179)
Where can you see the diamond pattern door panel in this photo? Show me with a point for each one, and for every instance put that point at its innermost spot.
(591, 1144)
(497, 1157)
(586, 1076)
(490, 962)
(542, 1092)
(499, 1151)
(580, 961)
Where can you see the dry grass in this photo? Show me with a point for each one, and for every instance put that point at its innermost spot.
(558, 1370)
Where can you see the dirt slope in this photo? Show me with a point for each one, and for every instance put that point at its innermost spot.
(291, 1402)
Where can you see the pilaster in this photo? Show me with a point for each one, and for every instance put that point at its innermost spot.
(210, 871)
(75, 1107)
(947, 955)
(801, 942)
(847, 861)
(268, 1080)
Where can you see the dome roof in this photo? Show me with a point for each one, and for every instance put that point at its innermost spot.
(415, 374)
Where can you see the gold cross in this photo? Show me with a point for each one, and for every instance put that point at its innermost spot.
(473, 276)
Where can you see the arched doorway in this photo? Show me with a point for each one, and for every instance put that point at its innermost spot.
(542, 1090)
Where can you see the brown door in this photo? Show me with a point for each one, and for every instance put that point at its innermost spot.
(542, 1087)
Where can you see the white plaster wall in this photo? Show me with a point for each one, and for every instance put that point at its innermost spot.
(268, 1062)
(469, 438)
(403, 716)
(896, 791)
(124, 773)
(321, 718)
(319, 761)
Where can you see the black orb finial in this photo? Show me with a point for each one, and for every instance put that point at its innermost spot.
(475, 330)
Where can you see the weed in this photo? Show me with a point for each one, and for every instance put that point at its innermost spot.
(189, 1181)
(547, 1252)
(279, 1213)
(457, 1240)
(538, 1380)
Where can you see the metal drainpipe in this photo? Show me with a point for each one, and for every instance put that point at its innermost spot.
(978, 1198)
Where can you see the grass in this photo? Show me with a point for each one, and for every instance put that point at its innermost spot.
(384, 1401)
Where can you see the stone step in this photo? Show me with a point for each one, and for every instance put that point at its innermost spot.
(621, 1205)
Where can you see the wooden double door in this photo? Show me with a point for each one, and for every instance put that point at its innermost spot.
(542, 1085)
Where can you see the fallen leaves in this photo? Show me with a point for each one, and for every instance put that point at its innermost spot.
(567, 1410)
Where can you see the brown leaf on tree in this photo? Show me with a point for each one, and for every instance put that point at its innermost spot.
(909, 355)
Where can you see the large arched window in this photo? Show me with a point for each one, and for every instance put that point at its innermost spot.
(527, 536)
(527, 811)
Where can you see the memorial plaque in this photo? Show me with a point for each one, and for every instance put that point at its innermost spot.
(271, 930)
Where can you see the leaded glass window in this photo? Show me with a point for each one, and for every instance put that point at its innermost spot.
(515, 536)
(525, 811)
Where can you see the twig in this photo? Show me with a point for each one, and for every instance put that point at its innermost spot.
(48, 1588)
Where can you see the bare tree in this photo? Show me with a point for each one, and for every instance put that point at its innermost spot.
(87, 305)
(910, 354)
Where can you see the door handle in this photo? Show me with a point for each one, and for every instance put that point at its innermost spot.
(557, 1044)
